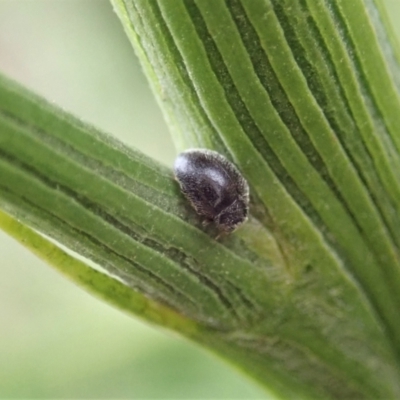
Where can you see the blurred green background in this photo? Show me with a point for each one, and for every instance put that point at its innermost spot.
(56, 341)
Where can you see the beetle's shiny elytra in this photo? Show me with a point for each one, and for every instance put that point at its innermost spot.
(214, 187)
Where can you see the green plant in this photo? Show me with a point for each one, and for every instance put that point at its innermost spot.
(302, 96)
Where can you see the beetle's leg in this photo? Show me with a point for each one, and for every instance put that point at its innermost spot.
(206, 221)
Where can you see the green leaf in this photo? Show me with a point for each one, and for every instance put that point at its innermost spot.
(302, 96)
(112, 205)
(94, 281)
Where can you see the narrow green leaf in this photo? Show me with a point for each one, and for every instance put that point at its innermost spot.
(115, 206)
(303, 98)
(94, 281)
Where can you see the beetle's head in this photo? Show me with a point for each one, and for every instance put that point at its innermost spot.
(232, 216)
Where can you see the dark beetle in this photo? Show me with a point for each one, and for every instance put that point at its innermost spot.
(214, 187)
